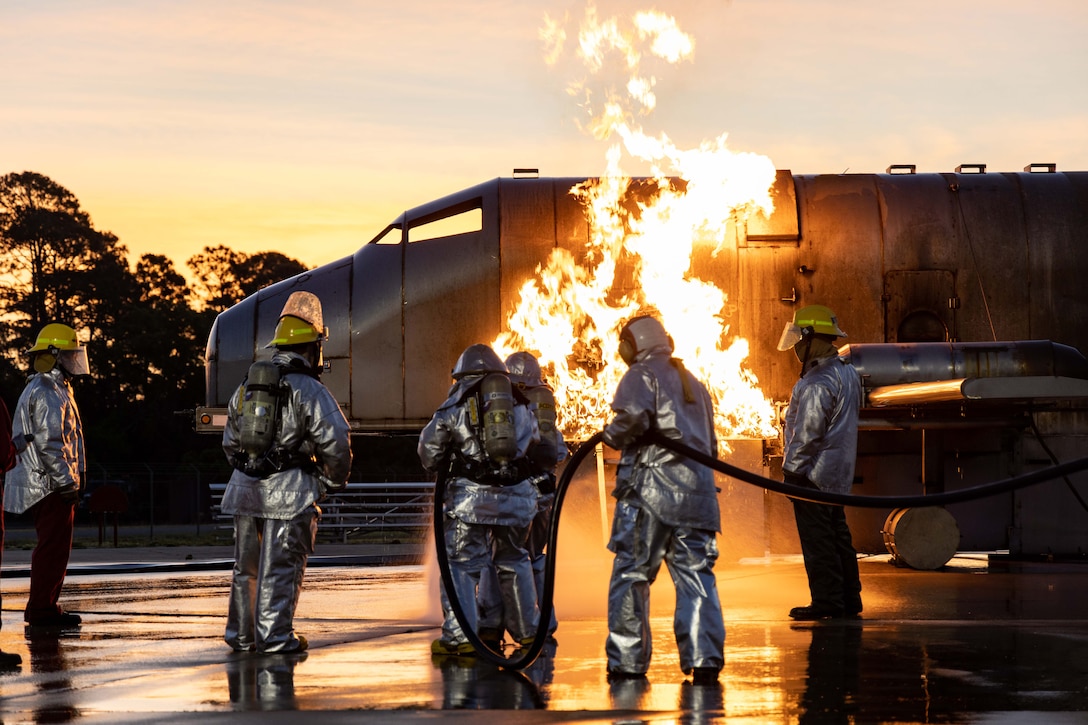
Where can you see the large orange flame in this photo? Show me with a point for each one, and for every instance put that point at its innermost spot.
(642, 236)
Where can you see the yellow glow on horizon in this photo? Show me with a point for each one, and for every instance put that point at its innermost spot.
(180, 228)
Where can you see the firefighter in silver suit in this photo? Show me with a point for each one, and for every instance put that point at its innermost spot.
(48, 436)
(666, 509)
(821, 436)
(545, 456)
(281, 472)
(481, 438)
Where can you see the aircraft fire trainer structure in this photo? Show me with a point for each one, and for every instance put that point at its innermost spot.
(964, 295)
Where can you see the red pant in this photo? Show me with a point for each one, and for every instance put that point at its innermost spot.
(1, 539)
(54, 520)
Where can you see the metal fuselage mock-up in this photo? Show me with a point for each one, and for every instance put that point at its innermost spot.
(974, 284)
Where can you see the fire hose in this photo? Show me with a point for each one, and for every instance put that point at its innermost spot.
(528, 655)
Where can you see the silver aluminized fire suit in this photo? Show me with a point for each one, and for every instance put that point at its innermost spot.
(483, 520)
(821, 437)
(275, 517)
(821, 425)
(666, 510)
(54, 459)
(48, 436)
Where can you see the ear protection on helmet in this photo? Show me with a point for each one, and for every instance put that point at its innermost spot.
(627, 347)
(46, 361)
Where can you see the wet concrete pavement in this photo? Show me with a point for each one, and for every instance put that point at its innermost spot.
(980, 641)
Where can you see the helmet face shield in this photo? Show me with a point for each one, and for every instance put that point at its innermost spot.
(305, 306)
(791, 335)
(74, 362)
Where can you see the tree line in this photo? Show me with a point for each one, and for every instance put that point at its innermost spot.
(145, 326)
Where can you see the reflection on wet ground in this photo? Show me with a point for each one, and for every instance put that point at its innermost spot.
(972, 643)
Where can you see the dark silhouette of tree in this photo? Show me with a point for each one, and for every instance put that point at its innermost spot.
(47, 243)
(265, 268)
(153, 364)
(62, 269)
(216, 278)
(160, 282)
(12, 377)
(225, 277)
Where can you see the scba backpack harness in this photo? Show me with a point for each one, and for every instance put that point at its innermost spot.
(264, 394)
(490, 407)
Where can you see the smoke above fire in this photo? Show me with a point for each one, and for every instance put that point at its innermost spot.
(643, 234)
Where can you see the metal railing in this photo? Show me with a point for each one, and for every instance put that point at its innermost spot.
(362, 508)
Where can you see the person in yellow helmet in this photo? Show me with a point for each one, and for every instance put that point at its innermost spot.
(821, 434)
(48, 474)
(287, 451)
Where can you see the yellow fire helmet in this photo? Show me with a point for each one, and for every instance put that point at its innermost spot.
(55, 335)
(60, 342)
(300, 321)
(813, 318)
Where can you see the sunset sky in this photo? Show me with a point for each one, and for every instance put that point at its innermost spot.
(305, 128)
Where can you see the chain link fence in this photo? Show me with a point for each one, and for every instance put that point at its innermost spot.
(154, 494)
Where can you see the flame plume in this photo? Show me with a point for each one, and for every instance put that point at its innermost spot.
(642, 235)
